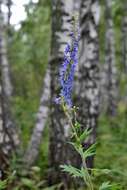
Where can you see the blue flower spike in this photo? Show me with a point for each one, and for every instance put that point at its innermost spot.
(67, 69)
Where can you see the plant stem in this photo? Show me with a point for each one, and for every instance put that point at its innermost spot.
(89, 184)
(87, 179)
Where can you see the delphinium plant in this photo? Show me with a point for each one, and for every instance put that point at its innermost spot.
(66, 72)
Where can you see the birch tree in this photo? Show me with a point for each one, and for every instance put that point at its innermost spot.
(62, 12)
(42, 117)
(124, 38)
(9, 4)
(109, 78)
(88, 71)
(9, 139)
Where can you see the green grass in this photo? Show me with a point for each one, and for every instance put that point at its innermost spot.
(112, 149)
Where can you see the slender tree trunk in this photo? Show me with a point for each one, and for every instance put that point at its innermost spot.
(109, 77)
(8, 134)
(124, 38)
(8, 25)
(62, 12)
(42, 117)
(88, 71)
(9, 4)
(124, 48)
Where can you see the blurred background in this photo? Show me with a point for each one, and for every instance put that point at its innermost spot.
(34, 133)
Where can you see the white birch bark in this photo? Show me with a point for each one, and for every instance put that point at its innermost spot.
(32, 151)
(9, 139)
(109, 74)
(87, 83)
(124, 38)
(62, 12)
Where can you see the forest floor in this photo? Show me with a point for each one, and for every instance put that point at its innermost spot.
(112, 149)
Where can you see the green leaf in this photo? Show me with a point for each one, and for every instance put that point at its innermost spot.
(74, 172)
(3, 184)
(90, 151)
(98, 172)
(77, 125)
(106, 186)
(84, 135)
(36, 169)
(53, 187)
(78, 148)
(83, 172)
(28, 182)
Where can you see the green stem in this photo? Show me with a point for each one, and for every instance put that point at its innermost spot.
(87, 179)
(89, 184)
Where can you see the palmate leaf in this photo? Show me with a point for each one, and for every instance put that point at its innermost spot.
(74, 172)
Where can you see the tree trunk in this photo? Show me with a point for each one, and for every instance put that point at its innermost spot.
(88, 72)
(8, 134)
(109, 77)
(124, 38)
(9, 31)
(42, 117)
(9, 4)
(62, 12)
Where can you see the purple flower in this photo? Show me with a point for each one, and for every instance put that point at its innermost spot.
(67, 70)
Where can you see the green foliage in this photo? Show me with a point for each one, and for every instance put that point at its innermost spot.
(53, 187)
(111, 148)
(44, 152)
(28, 183)
(79, 138)
(112, 132)
(26, 179)
(28, 55)
(108, 186)
(74, 172)
(90, 151)
(84, 135)
(3, 184)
